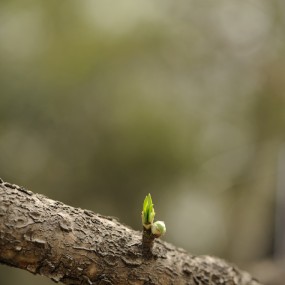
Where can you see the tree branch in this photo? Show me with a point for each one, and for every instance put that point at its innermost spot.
(76, 246)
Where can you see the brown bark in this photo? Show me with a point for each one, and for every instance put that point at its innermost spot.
(76, 246)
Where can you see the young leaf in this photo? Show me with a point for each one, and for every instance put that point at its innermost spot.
(148, 212)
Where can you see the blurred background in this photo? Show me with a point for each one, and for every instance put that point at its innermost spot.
(102, 102)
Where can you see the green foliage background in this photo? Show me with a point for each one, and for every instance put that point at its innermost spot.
(105, 101)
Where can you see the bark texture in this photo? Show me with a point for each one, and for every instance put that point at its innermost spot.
(76, 246)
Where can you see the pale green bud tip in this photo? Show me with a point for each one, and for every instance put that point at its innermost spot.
(147, 212)
(158, 228)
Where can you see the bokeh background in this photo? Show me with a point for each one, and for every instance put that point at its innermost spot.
(102, 102)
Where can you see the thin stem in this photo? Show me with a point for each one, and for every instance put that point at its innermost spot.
(147, 242)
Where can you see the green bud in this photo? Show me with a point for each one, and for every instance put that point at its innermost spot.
(158, 228)
(147, 212)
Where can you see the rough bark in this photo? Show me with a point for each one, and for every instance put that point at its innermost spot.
(76, 246)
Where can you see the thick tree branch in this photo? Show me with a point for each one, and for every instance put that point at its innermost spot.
(76, 246)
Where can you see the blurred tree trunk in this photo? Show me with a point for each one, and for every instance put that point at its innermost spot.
(76, 246)
(256, 187)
